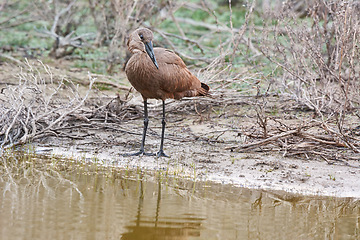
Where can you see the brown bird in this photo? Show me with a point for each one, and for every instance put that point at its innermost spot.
(161, 74)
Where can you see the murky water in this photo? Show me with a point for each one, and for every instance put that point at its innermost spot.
(52, 199)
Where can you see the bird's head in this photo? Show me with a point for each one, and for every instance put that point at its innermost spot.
(141, 39)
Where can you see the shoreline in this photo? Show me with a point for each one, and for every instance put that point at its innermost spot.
(263, 172)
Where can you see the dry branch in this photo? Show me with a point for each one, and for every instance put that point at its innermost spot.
(263, 142)
(30, 112)
(64, 39)
(180, 53)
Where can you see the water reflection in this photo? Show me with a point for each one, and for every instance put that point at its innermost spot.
(56, 199)
(147, 227)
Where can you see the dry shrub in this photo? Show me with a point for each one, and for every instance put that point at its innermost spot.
(32, 108)
(316, 60)
(115, 19)
(112, 20)
(63, 19)
(319, 54)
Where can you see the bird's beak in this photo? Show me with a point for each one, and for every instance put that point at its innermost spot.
(150, 52)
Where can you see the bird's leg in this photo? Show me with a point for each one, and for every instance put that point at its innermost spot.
(146, 123)
(161, 153)
(142, 147)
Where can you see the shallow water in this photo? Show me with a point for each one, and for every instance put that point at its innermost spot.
(52, 199)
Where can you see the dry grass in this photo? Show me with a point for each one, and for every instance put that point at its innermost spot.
(31, 109)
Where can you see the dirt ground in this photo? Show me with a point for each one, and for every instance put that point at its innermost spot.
(199, 137)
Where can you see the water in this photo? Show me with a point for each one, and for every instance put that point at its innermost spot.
(52, 199)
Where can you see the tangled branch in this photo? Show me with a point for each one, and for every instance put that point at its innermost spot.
(31, 109)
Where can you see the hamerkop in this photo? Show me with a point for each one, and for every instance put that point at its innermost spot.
(161, 74)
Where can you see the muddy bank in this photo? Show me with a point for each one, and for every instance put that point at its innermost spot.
(194, 156)
(268, 172)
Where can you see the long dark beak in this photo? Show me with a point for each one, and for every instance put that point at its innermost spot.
(150, 51)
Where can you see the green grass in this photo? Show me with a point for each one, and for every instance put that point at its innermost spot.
(91, 59)
(237, 16)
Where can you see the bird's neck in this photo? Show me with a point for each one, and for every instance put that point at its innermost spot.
(136, 51)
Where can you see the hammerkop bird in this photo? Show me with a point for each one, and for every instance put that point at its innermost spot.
(161, 74)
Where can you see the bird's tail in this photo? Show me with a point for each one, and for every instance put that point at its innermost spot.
(204, 90)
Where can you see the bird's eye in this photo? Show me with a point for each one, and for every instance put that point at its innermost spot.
(141, 36)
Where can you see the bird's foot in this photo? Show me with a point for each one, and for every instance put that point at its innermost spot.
(139, 153)
(161, 154)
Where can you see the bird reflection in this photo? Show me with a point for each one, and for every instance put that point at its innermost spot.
(146, 227)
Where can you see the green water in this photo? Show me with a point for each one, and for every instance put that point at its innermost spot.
(57, 200)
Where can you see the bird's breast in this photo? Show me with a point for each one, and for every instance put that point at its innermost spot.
(142, 74)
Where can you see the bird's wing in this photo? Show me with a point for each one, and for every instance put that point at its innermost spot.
(169, 57)
(173, 73)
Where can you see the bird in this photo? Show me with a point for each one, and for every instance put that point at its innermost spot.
(158, 73)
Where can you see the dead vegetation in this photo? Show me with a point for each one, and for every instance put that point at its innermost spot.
(32, 108)
(318, 59)
(312, 52)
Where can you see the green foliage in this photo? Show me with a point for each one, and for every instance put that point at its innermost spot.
(238, 16)
(91, 59)
(14, 39)
(98, 67)
(197, 15)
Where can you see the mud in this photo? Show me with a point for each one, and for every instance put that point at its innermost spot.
(197, 147)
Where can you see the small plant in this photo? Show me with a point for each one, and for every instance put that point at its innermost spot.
(332, 177)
